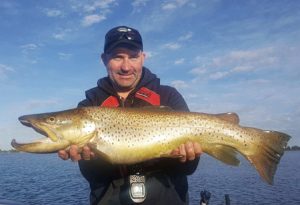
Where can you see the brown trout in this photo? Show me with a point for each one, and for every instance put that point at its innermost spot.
(132, 135)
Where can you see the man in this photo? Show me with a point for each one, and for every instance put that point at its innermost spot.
(130, 84)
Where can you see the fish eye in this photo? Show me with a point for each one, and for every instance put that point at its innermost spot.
(51, 119)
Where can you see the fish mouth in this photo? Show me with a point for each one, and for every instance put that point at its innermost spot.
(39, 127)
(42, 145)
(34, 125)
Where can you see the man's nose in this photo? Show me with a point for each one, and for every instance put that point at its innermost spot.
(125, 65)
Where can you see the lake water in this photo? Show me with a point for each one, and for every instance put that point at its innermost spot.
(45, 179)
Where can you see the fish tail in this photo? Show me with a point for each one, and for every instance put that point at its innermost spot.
(269, 151)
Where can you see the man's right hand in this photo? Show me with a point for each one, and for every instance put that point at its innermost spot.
(76, 154)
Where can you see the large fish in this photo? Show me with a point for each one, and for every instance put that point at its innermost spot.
(131, 135)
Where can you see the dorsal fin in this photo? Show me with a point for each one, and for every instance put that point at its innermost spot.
(229, 116)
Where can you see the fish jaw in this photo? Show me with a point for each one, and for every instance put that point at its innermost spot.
(44, 145)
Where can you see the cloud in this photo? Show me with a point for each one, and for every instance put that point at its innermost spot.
(4, 69)
(99, 4)
(59, 36)
(62, 34)
(186, 37)
(174, 5)
(239, 61)
(218, 75)
(30, 52)
(171, 13)
(171, 46)
(53, 12)
(179, 61)
(92, 19)
(198, 71)
(150, 54)
(243, 68)
(179, 84)
(169, 6)
(29, 46)
(138, 5)
(64, 56)
(93, 11)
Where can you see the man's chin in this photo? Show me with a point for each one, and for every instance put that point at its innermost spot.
(125, 87)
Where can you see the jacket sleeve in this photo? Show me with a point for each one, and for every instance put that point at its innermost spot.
(172, 98)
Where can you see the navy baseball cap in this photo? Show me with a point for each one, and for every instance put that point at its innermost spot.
(122, 36)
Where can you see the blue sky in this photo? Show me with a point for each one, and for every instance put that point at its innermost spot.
(222, 55)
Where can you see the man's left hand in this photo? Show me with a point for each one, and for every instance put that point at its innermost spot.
(188, 151)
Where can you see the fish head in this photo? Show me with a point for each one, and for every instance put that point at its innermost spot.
(61, 128)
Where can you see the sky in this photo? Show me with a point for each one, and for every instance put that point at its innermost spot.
(222, 55)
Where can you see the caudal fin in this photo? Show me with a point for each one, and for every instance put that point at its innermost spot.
(268, 154)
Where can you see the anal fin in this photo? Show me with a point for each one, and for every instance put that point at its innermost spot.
(225, 154)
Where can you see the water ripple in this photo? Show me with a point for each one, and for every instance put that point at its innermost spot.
(45, 179)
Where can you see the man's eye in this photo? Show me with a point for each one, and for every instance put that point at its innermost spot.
(117, 58)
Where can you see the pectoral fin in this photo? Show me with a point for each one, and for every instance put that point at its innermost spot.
(99, 153)
(81, 141)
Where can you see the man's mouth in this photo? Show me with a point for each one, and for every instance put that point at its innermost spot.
(126, 74)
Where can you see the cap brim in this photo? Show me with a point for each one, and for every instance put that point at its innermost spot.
(131, 45)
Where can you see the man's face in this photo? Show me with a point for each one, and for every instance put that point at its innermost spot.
(124, 67)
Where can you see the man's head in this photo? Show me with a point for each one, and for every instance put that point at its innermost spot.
(123, 57)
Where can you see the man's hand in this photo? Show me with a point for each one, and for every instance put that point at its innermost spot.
(75, 154)
(188, 151)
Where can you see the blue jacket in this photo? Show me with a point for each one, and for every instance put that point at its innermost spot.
(166, 178)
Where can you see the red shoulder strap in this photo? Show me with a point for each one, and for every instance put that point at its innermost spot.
(148, 95)
(111, 101)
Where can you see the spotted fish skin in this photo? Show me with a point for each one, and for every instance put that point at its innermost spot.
(132, 135)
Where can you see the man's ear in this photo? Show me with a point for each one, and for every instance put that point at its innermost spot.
(144, 56)
(104, 58)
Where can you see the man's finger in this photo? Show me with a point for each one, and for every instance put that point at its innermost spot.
(93, 156)
(198, 149)
(175, 152)
(86, 153)
(190, 152)
(74, 155)
(63, 154)
(182, 153)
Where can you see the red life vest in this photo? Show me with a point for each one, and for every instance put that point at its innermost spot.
(144, 94)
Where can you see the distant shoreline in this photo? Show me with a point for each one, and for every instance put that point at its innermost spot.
(8, 151)
(292, 148)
